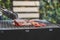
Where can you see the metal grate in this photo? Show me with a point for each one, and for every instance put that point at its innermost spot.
(6, 25)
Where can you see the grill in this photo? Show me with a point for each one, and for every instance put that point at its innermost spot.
(7, 25)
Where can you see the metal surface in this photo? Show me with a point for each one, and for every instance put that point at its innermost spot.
(7, 25)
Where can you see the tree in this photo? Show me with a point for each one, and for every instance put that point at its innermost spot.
(6, 4)
(50, 9)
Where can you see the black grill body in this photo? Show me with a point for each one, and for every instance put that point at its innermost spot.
(10, 32)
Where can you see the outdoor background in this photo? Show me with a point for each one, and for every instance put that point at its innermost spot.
(24, 8)
(50, 10)
(42, 9)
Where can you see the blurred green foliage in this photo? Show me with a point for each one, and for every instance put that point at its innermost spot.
(6, 4)
(50, 10)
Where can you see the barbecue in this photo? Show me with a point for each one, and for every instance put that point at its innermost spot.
(7, 25)
(22, 24)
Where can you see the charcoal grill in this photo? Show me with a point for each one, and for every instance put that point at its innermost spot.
(9, 31)
(7, 25)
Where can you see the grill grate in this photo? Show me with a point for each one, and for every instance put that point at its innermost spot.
(6, 25)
